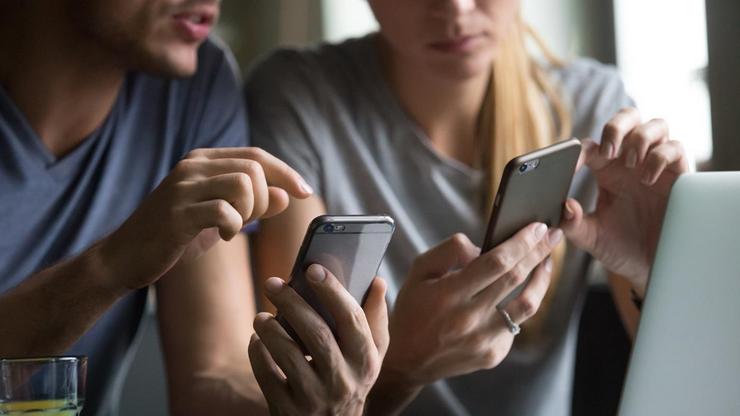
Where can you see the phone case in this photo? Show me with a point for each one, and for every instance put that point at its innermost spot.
(533, 188)
(351, 247)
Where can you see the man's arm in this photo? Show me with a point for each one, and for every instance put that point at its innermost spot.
(51, 310)
(206, 308)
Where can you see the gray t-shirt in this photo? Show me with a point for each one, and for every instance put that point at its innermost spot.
(329, 113)
(52, 208)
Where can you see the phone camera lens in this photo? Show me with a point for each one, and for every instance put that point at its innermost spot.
(328, 228)
(523, 168)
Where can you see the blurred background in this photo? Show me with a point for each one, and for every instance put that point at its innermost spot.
(672, 65)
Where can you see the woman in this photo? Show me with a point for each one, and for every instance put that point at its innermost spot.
(417, 121)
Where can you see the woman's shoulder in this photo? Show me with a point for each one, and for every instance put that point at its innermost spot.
(316, 67)
(593, 91)
(587, 78)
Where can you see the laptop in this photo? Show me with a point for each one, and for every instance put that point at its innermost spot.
(686, 358)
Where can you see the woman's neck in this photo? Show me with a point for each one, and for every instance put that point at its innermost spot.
(64, 85)
(446, 110)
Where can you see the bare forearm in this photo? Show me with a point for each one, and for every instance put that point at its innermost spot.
(621, 293)
(390, 395)
(228, 392)
(50, 310)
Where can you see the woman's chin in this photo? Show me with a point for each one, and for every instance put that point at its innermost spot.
(462, 69)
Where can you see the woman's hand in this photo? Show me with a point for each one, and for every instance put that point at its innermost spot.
(208, 196)
(635, 167)
(342, 370)
(445, 322)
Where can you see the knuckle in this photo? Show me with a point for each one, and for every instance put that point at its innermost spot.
(253, 168)
(478, 342)
(491, 358)
(357, 317)
(222, 208)
(369, 369)
(184, 166)
(342, 390)
(517, 275)
(322, 336)
(458, 241)
(242, 181)
(195, 154)
(529, 306)
(255, 152)
(463, 325)
(499, 261)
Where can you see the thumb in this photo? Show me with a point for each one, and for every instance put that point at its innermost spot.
(376, 312)
(579, 228)
(454, 253)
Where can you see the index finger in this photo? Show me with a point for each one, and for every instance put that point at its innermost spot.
(277, 172)
(491, 265)
(616, 130)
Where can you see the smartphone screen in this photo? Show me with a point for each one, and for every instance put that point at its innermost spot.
(351, 247)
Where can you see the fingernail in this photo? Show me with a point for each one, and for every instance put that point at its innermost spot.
(555, 236)
(315, 273)
(647, 178)
(548, 264)
(631, 159)
(569, 213)
(274, 285)
(540, 231)
(608, 150)
(306, 187)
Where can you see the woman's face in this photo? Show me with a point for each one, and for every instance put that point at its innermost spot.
(455, 39)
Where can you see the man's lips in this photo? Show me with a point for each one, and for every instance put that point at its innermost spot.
(194, 26)
(460, 44)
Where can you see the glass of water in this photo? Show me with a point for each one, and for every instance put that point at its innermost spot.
(47, 386)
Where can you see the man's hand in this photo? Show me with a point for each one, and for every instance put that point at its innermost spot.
(342, 370)
(635, 167)
(209, 195)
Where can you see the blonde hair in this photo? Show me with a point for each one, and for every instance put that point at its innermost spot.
(523, 111)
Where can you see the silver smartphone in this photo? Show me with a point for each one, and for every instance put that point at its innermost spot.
(351, 247)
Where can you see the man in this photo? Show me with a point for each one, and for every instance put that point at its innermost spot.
(99, 100)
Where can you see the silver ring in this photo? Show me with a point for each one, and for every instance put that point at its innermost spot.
(513, 327)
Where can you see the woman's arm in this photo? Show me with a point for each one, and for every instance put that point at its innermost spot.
(278, 240)
(622, 293)
(205, 309)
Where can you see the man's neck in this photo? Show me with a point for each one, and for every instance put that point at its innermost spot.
(64, 85)
(446, 110)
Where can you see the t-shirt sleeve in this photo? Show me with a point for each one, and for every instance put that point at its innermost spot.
(215, 114)
(595, 92)
(284, 113)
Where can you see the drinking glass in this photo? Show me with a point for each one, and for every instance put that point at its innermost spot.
(45, 386)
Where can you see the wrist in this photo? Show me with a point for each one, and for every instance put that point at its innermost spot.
(105, 268)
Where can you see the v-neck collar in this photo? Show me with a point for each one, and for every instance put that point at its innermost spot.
(397, 113)
(38, 153)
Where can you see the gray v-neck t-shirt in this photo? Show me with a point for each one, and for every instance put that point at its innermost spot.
(329, 113)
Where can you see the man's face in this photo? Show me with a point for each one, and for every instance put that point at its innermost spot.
(158, 36)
